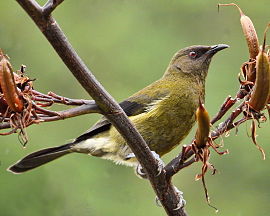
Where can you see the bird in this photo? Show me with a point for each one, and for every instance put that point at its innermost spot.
(163, 113)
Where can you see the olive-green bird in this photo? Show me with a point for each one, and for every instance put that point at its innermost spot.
(163, 113)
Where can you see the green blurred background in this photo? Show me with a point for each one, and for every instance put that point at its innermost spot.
(128, 44)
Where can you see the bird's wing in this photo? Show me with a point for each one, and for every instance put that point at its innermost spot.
(104, 124)
(134, 105)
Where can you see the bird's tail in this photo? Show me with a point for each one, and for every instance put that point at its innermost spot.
(39, 158)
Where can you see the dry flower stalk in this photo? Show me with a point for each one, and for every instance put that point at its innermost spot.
(201, 147)
(261, 89)
(249, 32)
(11, 94)
(252, 42)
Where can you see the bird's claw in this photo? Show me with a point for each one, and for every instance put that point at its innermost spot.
(129, 156)
(158, 202)
(139, 170)
(181, 203)
(161, 164)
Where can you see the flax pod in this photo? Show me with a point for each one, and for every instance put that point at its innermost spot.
(8, 86)
(251, 39)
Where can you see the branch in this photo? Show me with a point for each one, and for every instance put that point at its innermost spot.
(59, 115)
(49, 27)
(50, 6)
(176, 165)
(51, 98)
(228, 103)
(4, 125)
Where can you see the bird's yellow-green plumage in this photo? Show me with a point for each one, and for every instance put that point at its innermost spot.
(168, 119)
(163, 113)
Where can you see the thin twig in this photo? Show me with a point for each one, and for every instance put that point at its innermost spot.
(60, 115)
(49, 7)
(65, 101)
(228, 123)
(4, 125)
(76, 111)
(176, 165)
(228, 103)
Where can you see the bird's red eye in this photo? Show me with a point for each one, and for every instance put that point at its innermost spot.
(192, 54)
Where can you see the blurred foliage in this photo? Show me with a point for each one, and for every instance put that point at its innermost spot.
(127, 45)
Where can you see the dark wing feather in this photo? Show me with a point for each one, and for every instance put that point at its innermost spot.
(130, 108)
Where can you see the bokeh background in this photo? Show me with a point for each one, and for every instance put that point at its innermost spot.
(128, 44)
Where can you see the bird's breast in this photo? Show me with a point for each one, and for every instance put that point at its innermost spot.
(169, 121)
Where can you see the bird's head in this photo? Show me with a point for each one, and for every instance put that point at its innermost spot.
(194, 59)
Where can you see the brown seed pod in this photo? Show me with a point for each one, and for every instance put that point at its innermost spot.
(8, 86)
(202, 133)
(261, 90)
(249, 32)
(3, 105)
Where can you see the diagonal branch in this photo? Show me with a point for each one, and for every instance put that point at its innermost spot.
(164, 189)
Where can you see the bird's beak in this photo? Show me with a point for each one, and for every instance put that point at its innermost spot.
(215, 48)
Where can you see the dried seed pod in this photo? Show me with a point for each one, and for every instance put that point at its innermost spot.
(8, 86)
(261, 90)
(260, 94)
(3, 105)
(249, 32)
(202, 133)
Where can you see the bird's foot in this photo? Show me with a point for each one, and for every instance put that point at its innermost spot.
(129, 156)
(139, 170)
(182, 203)
(161, 164)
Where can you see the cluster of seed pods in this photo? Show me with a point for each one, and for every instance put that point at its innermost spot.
(256, 73)
(14, 101)
(256, 84)
(10, 94)
(256, 70)
(201, 146)
(21, 105)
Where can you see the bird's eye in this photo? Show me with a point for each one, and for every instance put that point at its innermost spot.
(192, 54)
